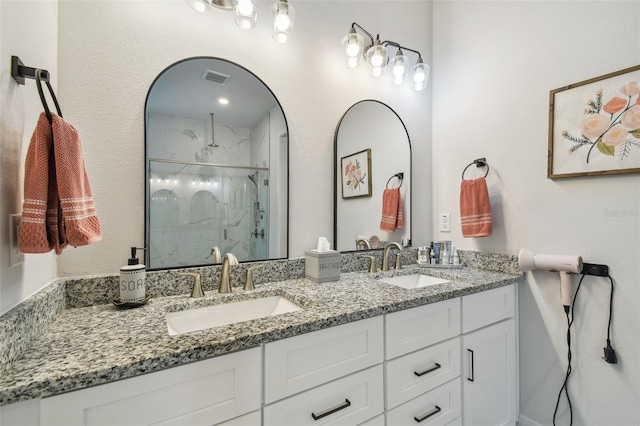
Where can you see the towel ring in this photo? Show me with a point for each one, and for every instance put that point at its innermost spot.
(480, 162)
(40, 76)
(400, 177)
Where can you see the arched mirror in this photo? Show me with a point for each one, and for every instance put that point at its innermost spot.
(372, 153)
(216, 142)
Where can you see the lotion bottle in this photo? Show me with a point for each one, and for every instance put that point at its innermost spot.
(132, 280)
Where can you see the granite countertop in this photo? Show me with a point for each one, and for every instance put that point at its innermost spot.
(98, 344)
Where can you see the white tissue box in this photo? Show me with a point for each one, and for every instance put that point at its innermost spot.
(322, 266)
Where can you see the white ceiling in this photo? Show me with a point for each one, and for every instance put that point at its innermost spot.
(181, 91)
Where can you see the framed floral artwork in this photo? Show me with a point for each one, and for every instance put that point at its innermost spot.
(594, 126)
(356, 174)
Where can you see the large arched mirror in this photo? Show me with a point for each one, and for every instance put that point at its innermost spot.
(372, 153)
(216, 141)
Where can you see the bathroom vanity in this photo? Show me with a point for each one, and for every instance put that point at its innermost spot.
(359, 352)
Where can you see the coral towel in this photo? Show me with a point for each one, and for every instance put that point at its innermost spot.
(475, 208)
(391, 210)
(58, 205)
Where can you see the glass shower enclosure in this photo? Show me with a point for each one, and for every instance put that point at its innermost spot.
(195, 207)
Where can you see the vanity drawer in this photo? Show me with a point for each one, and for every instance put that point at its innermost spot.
(202, 393)
(487, 307)
(348, 401)
(419, 372)
(437, 407)
(419, 327)
(302, 362)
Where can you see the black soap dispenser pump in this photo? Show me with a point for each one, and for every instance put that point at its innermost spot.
(132, 280)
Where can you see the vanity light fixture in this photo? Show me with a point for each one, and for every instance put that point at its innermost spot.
(283, 15)
(376, 54)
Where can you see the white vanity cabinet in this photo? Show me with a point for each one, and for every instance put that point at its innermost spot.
(201, 393)
(328, 376)
(453, 362)
(489, 384)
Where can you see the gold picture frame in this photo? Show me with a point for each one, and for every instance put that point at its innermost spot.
(594, 126)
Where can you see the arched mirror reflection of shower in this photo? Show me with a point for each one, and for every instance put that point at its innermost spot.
(217, 140)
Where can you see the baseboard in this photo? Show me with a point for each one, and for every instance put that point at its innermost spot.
(526, 421)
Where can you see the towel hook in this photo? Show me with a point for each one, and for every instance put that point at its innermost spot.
(400, 177)
(480, 162)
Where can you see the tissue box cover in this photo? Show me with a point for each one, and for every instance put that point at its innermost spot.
(322, 266)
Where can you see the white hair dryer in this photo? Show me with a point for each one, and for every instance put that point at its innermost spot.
(564, 264)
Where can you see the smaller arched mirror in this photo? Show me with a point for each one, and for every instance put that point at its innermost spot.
(217, 166)
(372, 153)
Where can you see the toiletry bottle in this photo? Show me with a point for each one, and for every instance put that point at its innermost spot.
(423, 255)
(132, 280)
(456, 258)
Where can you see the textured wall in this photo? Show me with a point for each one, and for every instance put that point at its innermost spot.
(495, 63)
(28, 30)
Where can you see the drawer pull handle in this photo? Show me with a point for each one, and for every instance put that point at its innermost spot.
(429, 414)
(427, 371)
(471, 366)
(325, 413)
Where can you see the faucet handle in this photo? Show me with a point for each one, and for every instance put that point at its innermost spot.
(373, 267)
(248, 284)
(197, 283)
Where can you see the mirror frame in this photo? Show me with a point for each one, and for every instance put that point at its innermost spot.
(147, 218)
(335, 176)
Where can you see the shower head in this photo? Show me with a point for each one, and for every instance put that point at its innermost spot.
(254, 178)
(213, 143)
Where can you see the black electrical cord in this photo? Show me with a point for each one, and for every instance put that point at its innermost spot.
(609, 352)
(564, 387)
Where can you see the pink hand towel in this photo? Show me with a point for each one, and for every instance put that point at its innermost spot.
(34, 230)
(475, 208)
(58, 207)
(391, 210)
(80, 221)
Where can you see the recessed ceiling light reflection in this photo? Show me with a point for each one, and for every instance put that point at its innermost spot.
(223, 101)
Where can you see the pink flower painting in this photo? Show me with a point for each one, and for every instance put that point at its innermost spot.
(611, 124)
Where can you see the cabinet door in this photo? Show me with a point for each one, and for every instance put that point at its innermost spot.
(202, 393)
(489, 375)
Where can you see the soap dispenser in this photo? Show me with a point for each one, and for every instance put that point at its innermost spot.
(132, 280)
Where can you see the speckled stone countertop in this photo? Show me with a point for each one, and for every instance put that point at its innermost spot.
(98, 344)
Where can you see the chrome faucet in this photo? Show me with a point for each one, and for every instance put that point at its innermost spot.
(385, 255)
(197, 283)
(228, 261)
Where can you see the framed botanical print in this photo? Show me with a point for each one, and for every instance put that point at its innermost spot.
(594, 126)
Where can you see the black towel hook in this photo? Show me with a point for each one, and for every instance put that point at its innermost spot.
(39, 78)
(480, 162)
(400, 177)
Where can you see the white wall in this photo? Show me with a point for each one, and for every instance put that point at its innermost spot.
(28, 30)
(107, 65)
(494, 64)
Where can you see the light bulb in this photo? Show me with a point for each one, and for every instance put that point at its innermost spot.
(376, 60)
(281, 22)
(353, 44)
(245, 7)
(353, 49)
(420, 75)
(246, 14)
(201, 6)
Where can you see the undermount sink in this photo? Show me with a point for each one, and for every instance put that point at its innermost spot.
(227, 313)
(414, 281)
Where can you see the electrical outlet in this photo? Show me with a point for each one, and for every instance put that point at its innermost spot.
(16, 257)
(445, 222)
(595, 269)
